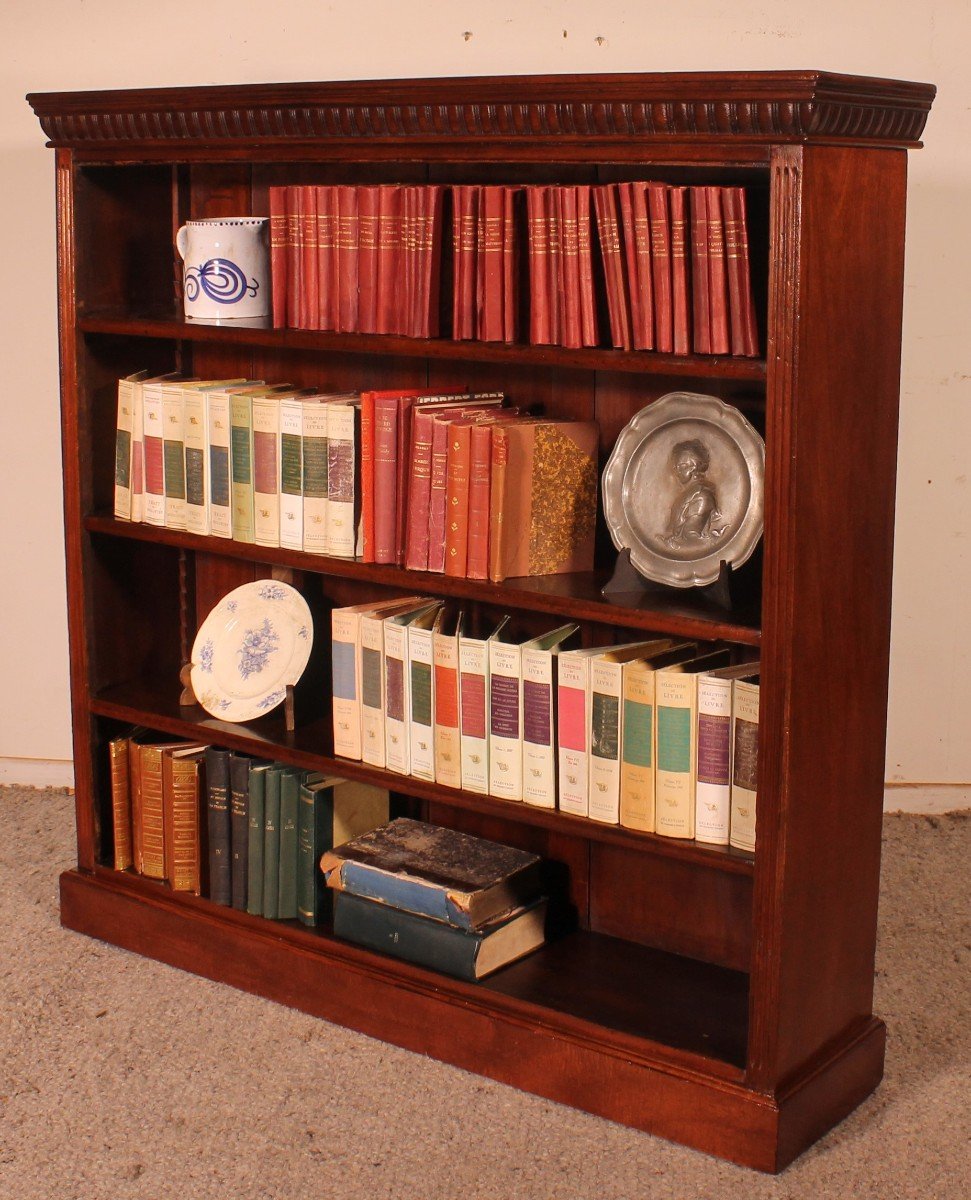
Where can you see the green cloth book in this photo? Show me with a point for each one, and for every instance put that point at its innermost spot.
(271, 842)
(257, 818)
(290, 780)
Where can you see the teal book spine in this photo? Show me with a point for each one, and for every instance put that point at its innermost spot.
(287, 878)
(314, 836)
(271, 844)
(254, 861)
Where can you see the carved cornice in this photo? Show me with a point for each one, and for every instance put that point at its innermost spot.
(783, 106)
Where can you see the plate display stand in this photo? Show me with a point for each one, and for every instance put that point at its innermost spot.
(627, 584)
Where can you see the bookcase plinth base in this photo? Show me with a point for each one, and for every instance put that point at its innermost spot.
(635, 1082)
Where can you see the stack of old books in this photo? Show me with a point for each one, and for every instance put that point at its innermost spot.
(436, 897)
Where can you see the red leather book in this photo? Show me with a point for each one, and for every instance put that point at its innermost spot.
(608, 232)
(660, 236)
(589, 334)
(294, 258)
(701, 315)
(460, 217)
(569, 268)
(389, 259)
(489, 266)
(327, 312)
(480, 477)
(554, 267)
(367, 259)
(309, 302)
(278, 255)
(385, 478)
(741, 305)
(436, 496)
(628, 264)
(347, 258)
(366, 482)
(645, 268)
(458, 460)
(717, 275)
(680, 288)
(510, 262)
(430, 260)
(538, 252)
(409, 250)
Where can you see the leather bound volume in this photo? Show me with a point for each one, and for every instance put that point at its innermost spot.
(437, 497)
(629, 266)
(407, 286)
(480, 478)
(239, 773)
(327, 313)
(367, 262)
(538, 252)
(387, 318)
(510, 266)
(608, 233)
(740, 303)
(701, 312)
(589, 333)
(219, 824)
(419, 490)
(347, 258)
(430, 260)
(385, 478)
(569, 267)
(645, 268)
(152, 863)
(183, 783)
(121, 815)
(457, 496)
(278, 255)
(310, 303)
(489, 265)
(717, 274)
(294, 257)
(465, 206)
(680, 274)
(659, 220)
(554, 255)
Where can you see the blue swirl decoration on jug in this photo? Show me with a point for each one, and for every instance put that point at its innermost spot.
(221, 280)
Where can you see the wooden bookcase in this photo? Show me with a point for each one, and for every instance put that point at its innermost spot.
(717, 1000)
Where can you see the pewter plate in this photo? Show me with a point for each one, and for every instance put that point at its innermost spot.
(683, 489)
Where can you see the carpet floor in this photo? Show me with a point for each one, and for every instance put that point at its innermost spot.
(123, 1078)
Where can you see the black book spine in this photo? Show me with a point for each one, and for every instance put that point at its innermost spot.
(239, 768)
(219, 825)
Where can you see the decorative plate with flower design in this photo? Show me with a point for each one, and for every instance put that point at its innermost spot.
(253, 644)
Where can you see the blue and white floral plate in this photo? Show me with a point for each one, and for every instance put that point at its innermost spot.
(253, 644)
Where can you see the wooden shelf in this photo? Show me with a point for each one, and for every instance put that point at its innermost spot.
(172, 325)
(309, 747)
(576, 596)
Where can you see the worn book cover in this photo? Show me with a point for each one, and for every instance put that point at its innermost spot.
(436, 872)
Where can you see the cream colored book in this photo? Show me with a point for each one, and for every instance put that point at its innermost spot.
(474, 709)
(343, 498)
(605, 732)
(198, 460)
(291, 471)
(397, 686)
(539, 661)
(675, 729)
(572, 726)
(218, 435)
(373, 698)
(421, 704)
(316, 535)
(154, 454)
(123, 446)
(346, 666)
(137, 451)
(745, 762)
(446, 713)
(714, 740)
(266, 470)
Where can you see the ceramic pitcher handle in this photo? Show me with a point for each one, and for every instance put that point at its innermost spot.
(181, 240)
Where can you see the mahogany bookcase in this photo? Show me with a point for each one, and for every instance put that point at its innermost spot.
(715, 998)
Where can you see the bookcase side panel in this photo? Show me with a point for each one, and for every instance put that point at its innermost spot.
(834, 360)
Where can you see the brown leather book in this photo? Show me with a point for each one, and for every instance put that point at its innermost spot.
(294, 257)
(717, 275)
(183, 786)
(367, 258)
(589, 333)
(569, 267)
(458, 458)
(538, 252)
(700, 314)
(660, 234)
(347, 257)
(680, 274)
(740, 302)
(389, 258)
(120, 803)
(278, 255)
(309, 301)
(327, 305)
(152, 806)
(436, 496)
(480, 478)
(544, 497)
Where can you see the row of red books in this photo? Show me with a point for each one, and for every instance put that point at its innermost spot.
(462, 486)
(356, 258)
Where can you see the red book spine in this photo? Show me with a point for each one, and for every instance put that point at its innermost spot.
(570, 267)
(389, 245)
(459, 213)
(406, 404)
(717, 275)
(589, 335)
(480, 477)
(699, 271)
(680, 290)
(367, 259)
(489, 267)
(367, 476)
(645, 269)
(385, 478)
(538, 252)
(294, 258)
(660, 235)
(326, 259)
(608, 231)
(510, 281)
(419, 490)
(750, 336)
(347, 258)
(554, 266)
(733, 269)
(278, 255)
(628, 263)
(436, 497)
(457, 497)
(409, 221)
(308, 218)
(431, 261)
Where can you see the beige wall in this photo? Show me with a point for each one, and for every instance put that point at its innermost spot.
(106, 43)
